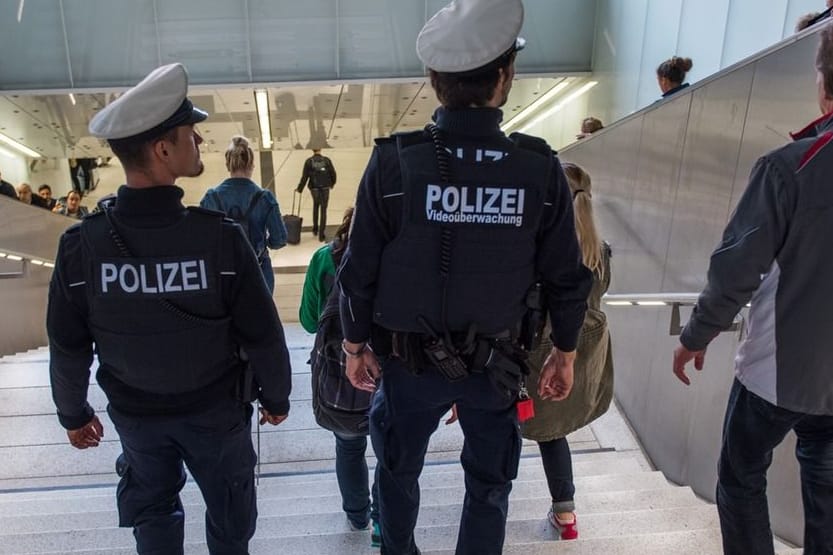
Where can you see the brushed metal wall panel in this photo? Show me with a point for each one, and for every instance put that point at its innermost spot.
(783, 99)
(660, 154)
(713, 140)
(30, 231)
(612, 164)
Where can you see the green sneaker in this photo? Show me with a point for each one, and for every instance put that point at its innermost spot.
(375, 535)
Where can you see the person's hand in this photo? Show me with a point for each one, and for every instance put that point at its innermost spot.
(273, 419)
(88, 435)
(453, 418)
(556, 380)
(682, 356)
(362, 370)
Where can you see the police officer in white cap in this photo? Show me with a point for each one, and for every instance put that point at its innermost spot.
(166, 297)
(453, 227)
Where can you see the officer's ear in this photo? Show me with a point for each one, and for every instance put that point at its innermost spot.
(160, 148)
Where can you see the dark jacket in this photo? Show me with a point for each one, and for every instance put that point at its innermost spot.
(254, 322)
(775, 253)
(377, 220)
(318, 172)
(7, 189)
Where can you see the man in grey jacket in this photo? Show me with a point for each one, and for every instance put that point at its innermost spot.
(784, 375)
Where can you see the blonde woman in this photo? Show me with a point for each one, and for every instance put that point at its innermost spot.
(593, 386)
(255, 209)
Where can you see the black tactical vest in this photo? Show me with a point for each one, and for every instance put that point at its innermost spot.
(492, 213)
(159, 321)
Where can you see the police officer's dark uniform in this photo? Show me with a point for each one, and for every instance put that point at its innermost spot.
(164, 295)
(452, 229)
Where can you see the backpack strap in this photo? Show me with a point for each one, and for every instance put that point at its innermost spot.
(252, 203)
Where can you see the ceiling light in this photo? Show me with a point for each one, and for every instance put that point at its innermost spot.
(72, 98)
(263, 120)
(619, 303)
(650, 303)
(540, 101)
(37, 262)
(20, 11)
(48, 265)
(569, 98)
(19, 146)
(14, 257)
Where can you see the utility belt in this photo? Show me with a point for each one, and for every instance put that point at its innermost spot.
(499, 356)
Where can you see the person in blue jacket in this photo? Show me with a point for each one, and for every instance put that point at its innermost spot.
(253, 208)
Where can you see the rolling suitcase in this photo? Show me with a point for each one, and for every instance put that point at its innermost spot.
(292, 223)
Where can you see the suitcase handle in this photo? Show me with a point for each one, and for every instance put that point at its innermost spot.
(301, 197)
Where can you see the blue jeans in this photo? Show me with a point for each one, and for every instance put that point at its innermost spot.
(558, 466)
(351, 472)
(216, 445)
(752, 429)
(406, 411)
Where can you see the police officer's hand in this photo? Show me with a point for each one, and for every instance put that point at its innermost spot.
(683, 356)
(273, 419)
(557, 375)
(362, 368)
(88, 435)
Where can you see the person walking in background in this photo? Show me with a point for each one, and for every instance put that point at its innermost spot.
(320, 174)
(589, 125)
(254, 208)
(359, 500)
(671, 75)
(73, 207)
(437, 287)
(166, 342)
(45, 192)
(7, 188)
(593, 384)
(774, 254)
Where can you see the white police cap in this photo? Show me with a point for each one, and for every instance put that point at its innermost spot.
(158, 103)
(466, 36)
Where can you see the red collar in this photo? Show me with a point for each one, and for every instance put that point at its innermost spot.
(811, 130)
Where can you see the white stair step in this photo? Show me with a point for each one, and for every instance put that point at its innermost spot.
(435, 510)
(272, 537)
(102, 499)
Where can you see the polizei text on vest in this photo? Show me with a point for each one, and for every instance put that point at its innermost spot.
(474, 204)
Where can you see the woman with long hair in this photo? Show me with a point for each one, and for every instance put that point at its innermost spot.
(254, 208)
(593, 386)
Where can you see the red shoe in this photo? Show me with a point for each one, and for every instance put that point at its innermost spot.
(567, 528)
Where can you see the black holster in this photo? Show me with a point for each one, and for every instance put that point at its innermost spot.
(246, 387)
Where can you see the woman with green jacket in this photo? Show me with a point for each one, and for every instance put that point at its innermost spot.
(593, 386)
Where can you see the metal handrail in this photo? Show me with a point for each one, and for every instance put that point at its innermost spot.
(673, 300)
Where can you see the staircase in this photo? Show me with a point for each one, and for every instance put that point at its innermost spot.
(55, 499)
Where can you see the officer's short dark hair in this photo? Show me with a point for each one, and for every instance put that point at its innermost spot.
(456, 91)
(44, 187)
(133, 153)
(824, 58)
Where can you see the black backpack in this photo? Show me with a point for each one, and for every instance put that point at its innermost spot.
(336, 404)
(320, 176)
(242, 218)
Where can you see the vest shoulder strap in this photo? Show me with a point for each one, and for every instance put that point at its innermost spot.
(534, 144)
